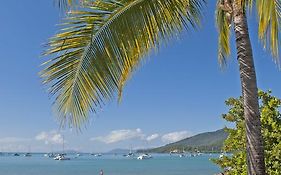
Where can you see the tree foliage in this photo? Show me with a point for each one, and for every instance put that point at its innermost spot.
(236, 141)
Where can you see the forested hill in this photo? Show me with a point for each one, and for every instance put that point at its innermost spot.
(204, 142)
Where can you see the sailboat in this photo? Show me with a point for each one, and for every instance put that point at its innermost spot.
(130, 154)
(28, 154)
(183, 153)
(62, 155)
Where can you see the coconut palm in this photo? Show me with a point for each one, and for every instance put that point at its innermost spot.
(269, 18)
(104, 41)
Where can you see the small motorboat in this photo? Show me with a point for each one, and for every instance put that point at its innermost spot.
(98, 155)
(182, 155)
(222, 155)
(16, 154)
(144, 156)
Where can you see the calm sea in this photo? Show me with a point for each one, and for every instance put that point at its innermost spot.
(111, 165)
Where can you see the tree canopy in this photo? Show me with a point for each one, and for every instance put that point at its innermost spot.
(236, 141)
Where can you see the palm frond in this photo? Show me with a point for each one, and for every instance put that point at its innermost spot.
(101, 46)
(247, 4)
(269, 19)
(223, 24)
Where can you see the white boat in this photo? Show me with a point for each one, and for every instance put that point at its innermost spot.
(182, 155)
(144, 156)
(61, 157)
(27, 155)
(98, 155)
(222, 155)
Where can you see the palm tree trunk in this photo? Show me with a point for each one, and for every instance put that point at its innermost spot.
(255, 150)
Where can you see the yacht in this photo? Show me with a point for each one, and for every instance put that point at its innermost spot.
(61, 157)
(27, 155)
(144, 156)
(130, 154)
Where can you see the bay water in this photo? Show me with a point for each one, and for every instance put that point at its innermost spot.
(86, 164)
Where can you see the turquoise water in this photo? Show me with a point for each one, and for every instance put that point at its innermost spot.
(111, 165)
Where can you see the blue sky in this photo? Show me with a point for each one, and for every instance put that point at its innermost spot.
(179, 92)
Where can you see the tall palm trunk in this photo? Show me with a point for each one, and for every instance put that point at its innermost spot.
(255, 151)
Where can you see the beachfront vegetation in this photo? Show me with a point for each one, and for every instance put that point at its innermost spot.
(103, 43)
(236, 141)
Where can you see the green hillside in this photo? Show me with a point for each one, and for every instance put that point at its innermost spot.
(204, 142)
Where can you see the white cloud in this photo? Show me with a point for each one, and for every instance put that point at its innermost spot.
(51, 137)
(13, 139)
(120, 135)
(152, 137)
(175, 136)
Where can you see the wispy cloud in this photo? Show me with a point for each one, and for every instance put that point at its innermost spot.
(175, 136)
(152, 137)
(120, 135)
(52, 137)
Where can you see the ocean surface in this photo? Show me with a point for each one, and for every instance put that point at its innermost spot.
(160, 164)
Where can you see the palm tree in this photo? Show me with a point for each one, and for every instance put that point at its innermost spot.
(269, 15)
(104, 41)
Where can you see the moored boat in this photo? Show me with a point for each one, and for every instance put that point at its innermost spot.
(144, 156)
(61, 157)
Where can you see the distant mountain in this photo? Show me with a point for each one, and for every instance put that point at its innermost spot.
(119, 151)
(204, 142)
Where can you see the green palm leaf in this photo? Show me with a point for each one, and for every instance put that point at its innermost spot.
(269, 20)
(269, 16)
(223, 25)
(101, 46)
